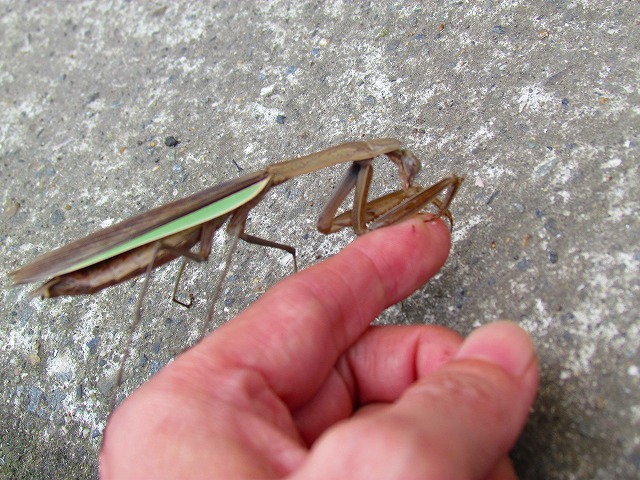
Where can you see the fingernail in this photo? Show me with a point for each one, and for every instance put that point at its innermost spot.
(502, 343)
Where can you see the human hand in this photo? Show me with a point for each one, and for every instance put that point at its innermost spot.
(300, 385)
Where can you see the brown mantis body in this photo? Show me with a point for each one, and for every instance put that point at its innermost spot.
(142, 243)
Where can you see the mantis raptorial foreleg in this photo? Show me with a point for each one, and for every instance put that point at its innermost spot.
(399, 205)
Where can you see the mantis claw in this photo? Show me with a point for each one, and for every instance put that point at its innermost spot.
(184, 304)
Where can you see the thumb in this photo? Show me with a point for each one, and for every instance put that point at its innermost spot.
(483, 399)
(457, 422)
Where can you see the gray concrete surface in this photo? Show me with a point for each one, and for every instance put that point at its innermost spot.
(537, 105)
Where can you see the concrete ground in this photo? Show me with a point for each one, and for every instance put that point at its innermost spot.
(537, 105)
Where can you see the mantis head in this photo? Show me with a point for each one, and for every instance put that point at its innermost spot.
(408, 164)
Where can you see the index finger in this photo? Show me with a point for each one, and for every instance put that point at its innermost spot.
(293, 335)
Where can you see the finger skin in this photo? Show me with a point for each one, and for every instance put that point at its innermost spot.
(222, 409)
(378, 368)
(503, 470)
(457, 422)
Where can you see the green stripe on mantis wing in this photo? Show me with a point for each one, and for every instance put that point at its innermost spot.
(193, 219)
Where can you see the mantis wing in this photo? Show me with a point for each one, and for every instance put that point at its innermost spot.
(144, 228)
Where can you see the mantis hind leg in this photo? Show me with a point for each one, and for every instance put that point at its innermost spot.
(206, 235)
(236, 232)
(137, 316)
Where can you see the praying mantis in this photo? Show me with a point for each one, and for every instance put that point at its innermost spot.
(144, 242)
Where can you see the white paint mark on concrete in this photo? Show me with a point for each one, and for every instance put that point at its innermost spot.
(534, 98)
(462, 230)
(60, 364)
